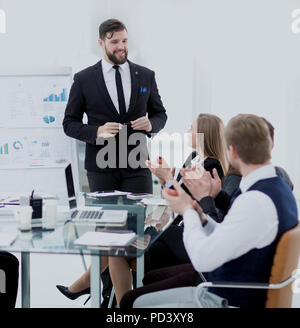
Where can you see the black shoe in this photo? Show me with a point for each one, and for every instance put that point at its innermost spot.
(72, 296)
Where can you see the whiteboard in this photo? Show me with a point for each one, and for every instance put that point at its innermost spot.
(33, 147)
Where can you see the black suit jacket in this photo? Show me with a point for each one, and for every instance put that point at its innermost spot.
(89, 95)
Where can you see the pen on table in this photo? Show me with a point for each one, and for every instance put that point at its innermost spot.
(3, 204)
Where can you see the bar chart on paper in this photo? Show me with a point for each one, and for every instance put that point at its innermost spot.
(4, 149)
(31, 134)
(62, 97)
(34, 149)
(35, 102)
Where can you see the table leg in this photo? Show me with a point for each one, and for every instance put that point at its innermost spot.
(141, 214)
(95, 281)
(140, 271)
(25, 263)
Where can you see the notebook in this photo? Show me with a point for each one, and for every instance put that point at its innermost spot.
(99, 238)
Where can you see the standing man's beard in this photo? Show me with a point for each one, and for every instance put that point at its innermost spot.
(115, 60)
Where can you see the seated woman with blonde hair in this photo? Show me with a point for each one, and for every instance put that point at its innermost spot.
(212, 158)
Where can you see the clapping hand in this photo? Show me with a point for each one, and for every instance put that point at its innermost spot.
(161, 169)
(178, 200)
(200, 183)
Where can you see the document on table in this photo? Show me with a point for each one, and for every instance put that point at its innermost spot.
(107, 194)
(7, 238)
(98, 238)
(12, 198)
(154, 201)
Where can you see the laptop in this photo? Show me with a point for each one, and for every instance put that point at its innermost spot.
(91, 213)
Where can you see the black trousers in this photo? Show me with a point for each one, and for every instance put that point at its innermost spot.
(167, 250)
(9, 278)
(139, 180)
(183, 275)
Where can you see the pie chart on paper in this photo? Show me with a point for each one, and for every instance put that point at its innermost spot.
(49, 119)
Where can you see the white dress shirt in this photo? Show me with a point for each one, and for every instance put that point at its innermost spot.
(251, 222)
(109, 74)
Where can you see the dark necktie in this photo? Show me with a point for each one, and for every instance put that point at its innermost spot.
(121, 99)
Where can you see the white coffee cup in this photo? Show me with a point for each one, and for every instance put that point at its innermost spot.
(80, 199)
(50, 214)
(24, 215)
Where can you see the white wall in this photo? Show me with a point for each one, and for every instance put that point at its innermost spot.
(220, 56)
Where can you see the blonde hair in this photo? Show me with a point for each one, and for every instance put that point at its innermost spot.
(250, 136)
(214, 146)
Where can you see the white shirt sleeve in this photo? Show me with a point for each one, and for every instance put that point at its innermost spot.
(252, 222)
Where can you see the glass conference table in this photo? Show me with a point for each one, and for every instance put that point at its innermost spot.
(148, 222)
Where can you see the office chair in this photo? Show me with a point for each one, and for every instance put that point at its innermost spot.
(285, 262)
(279, 294)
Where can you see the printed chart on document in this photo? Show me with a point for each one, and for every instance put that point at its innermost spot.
(32, 110)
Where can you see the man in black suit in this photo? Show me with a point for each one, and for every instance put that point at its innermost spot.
(121, 101)
(113, 92)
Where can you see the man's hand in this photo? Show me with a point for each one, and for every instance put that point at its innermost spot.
(199, 210)
(109, 129)
(142, 123)
(161, 170)
(178, 203)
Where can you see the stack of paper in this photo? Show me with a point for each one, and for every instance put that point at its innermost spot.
(7, 238)
(97, 238)
(154, 201)
(107, 194)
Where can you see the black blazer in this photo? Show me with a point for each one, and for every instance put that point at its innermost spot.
(209, 164)
(89, 95)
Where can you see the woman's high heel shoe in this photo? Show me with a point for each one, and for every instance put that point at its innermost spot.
(87, 300)
(72, 296)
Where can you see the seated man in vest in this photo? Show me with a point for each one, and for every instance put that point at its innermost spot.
(241, 248)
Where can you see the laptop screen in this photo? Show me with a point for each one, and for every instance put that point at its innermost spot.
(70, 187)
